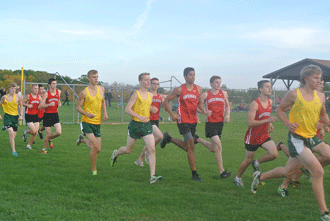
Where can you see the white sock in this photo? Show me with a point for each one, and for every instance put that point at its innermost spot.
(256, 163)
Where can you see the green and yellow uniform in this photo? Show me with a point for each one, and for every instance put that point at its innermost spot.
(92, 104)
(11, 113)
(306, 114)
(136, 128)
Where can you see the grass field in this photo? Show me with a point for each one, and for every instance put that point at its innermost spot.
(58, 186)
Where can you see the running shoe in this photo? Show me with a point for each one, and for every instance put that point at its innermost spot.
(146, 156)
(195, 139)
(94, 173)
(238, 181)
(196, 178)
(139, 163)
(255, 167)
(225, 174)
(306, 172)
(28, 147)
(15, 154)
(51, 145)
(282, 192)
(256, 181)
(24, 135)
(155, 179)
(278, 145)
(79, 139)
(166, 139)
(325, 216)
(113, 158)
(44, 151)
(295, 184)
(41, 136)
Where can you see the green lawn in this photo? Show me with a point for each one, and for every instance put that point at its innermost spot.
(58, 186)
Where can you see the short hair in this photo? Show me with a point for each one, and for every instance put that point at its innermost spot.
(12, 85)
(213, 78)
(308, 71)
(261, 83)
(154, 79)
(91, 72)
(143, 74)
(50, 80)
(187, 70)
(34, 85)
(40, 85)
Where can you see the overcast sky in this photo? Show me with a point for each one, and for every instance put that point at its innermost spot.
(238, 40)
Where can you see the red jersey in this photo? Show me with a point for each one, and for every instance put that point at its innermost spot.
(187, 108)
(35, 102)
(41, 111)
(156, 101)
(257, 135)
(50, 99)
(216, 104)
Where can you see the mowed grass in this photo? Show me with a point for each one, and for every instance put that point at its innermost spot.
(58, 186)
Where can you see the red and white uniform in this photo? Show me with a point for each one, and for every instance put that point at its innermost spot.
(41, 111)
(35, 102)
(257, 135)
(51, 98)
(156, 101)
(216, 104)
(187, 108)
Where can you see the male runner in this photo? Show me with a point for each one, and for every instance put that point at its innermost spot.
(92, 98)
(157, 100)
(216, 102)
(188, 98)
(10, 103)
(139, 107)
(257, 135)
(41, 112)
(308, 107)
(51, 102)
(31, 102)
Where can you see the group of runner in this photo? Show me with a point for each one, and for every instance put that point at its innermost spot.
(307, 113)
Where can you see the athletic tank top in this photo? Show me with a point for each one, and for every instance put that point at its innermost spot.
(306, 114)
(93, 105)
(156, 101)
(257, 135)
(142, 107)
(50, 99)
(216, 104)
(187, 108)
(35, 102)
(41, 111)
(11, 107)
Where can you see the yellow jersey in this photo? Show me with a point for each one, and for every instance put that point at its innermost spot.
(142, 107)
(10, 108)
(306, 114)
(92, 105)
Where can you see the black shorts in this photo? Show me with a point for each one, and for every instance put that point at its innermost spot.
(31, 118)
(154, 122)
(50, 119)
(251, 147)
(213, 129)
(185, 128)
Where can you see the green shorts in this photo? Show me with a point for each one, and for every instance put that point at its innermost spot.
(87, 128)
(137, 130)
(10, 121)
(297, 143)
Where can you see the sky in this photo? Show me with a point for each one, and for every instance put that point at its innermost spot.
(240, 41)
